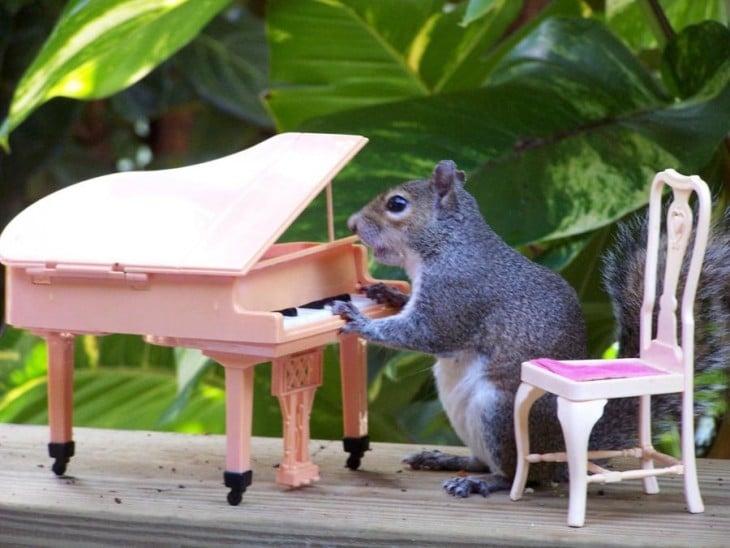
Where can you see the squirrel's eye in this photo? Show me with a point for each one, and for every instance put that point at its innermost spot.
(396, 204)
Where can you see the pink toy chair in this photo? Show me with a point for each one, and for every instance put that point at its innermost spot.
(665, 366)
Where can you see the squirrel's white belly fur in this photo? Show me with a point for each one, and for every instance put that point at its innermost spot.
(466, 395)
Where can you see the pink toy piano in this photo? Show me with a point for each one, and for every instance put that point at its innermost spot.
(188, 257)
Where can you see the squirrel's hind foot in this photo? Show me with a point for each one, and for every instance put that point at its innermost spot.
(482, 485)
(436, 460)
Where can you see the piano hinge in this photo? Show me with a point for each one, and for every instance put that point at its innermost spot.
(44, 275)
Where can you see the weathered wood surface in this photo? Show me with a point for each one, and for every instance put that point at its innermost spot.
(146, 488)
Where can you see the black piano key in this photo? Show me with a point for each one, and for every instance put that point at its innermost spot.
(291, 312)
(329, 300)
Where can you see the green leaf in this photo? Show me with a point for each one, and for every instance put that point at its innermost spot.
(26, 404)
(119, 398)
(22, 358)
(694, 56)
(192, 364)
(581, 61)
(386, 51)
(121, 350)
(566, 8)
(628, 19)
(569, 134)
(227, 65)
(476, 9)
(102, 46)
(556, 255)
(402, 387)
(103, 398)
(426, 422)
(456, 57)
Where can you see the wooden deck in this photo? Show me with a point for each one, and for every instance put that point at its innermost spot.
(148, 488)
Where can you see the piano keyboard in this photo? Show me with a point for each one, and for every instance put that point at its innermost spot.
(320, 310)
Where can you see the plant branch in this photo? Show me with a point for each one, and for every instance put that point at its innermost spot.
(657, 20)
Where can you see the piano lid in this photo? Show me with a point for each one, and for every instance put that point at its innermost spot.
(217, 217)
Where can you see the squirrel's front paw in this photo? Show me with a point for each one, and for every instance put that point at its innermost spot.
(384, 294)
(350, 313)
(345, 310)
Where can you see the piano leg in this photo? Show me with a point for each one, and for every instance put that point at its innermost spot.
(294, 381)
(353, 366)
(239, 408)
(60, 398)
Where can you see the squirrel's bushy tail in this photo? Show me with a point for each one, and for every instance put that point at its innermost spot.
(623, 277)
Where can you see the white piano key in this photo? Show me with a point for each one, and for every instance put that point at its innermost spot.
(360, 300)
(305, 316)
(310, 315)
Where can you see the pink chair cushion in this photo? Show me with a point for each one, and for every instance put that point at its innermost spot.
(605, 369)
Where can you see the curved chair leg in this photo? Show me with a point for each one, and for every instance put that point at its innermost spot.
(577, 419)
(524, 398)
(691, 486)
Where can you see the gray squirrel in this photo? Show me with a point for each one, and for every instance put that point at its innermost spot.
(481, 308)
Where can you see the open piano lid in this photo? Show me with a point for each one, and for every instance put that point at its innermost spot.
(217, 217)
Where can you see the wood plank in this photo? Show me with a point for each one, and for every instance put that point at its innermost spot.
(130, 487)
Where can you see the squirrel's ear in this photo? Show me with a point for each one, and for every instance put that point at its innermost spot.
(445, 176)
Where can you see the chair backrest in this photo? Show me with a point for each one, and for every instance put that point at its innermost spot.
(664, 349)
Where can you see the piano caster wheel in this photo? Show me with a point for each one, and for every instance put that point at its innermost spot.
(62, 453)
(353, 461)
(356, 447)
(237, 481)
(59, 467)
(235, 496)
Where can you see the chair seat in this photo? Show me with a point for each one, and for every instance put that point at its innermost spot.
(582, 380)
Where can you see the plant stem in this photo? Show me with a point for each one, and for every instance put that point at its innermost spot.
(657, 20)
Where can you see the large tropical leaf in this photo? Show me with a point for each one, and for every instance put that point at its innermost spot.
(227, 64)
(694, 56)
(22, 358)
(385, 51)
(99, 47)
(555, 146)
(103, 398)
